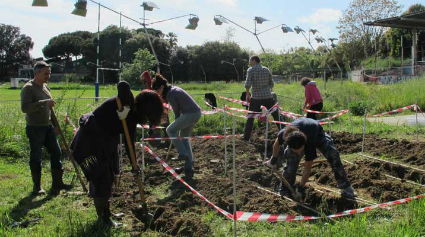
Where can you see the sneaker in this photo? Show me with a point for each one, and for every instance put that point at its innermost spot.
(348, 192)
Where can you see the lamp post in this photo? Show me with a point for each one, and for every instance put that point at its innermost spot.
(243, 65)
(81, 10)
(203, 71)
(298, 30)
(219, 20)
(149, 6)
(322, 40)
(233, 64)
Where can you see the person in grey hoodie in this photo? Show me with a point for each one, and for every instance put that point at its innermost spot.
(187, 114)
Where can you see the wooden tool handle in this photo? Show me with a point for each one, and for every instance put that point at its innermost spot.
(132, 155)
(71, 158)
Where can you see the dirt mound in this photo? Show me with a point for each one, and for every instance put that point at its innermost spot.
(406, 151)
(179, 211)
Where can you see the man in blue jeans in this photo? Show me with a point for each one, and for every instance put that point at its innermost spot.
(187, 113)
(36, 102)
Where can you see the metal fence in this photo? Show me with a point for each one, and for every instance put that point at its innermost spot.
(13, 120)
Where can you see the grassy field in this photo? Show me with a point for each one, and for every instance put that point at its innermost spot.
(73, 214)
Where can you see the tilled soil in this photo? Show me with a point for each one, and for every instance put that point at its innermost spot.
(179, 212)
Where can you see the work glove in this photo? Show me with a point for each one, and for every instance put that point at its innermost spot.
(123, 114)
(272, 163)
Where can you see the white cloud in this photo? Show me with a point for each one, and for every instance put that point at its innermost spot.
(322, 15)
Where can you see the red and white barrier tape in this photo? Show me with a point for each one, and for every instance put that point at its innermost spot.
(244, 103)
(336, 115)
(262, 217)
(288, 123)
(290, 114)
(190, 138)
(394, 111)
(179, 178)
(203, 111)
(365, 209)
(69, 121)
(421, 111)
(284, 113)
(242, 110)
(321, 112)
(148, 127)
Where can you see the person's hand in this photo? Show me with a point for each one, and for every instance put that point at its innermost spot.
(272, 163)
(123, 114)
(50, 103)
(248, 97)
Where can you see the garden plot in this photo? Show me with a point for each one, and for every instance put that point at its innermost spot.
(179, 211)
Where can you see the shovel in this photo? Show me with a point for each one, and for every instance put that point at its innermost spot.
(71, 158)
(296, 195)
(145, 217)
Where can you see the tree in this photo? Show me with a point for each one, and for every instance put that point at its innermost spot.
(140, 41)
(209, 56)
(143, 60)
(172, 39)
(351, 27)
(68, 45)
(14, 48)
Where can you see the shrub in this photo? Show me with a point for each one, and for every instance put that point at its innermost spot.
(358, 107)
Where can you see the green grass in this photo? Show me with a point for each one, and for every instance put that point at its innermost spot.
(63, 215)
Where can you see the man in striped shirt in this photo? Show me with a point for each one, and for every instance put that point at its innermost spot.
(258, 78)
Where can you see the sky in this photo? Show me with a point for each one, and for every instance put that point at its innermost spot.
(43, 23)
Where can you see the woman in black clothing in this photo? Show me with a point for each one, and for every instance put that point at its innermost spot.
(95, 145)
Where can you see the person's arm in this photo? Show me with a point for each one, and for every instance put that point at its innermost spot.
(173, 100)
(276, 148)
(307, 97)
(248, 84)
(28, 106)
(271, 83)
(306, 173)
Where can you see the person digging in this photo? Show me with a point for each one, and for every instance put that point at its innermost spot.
(302, 137)
(95, 144)
(187, 113)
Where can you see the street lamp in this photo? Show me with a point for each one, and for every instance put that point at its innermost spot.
(80, 8)
(233, 64)
(322, 40)
(40, 3)
(219, 20)
(149, 6)
(193, 22)
(243, 65)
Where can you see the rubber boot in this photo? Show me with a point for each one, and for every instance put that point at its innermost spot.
(104, 214)
(57, 182)
(36, 188)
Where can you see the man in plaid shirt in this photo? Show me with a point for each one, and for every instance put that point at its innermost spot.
(260, 79)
